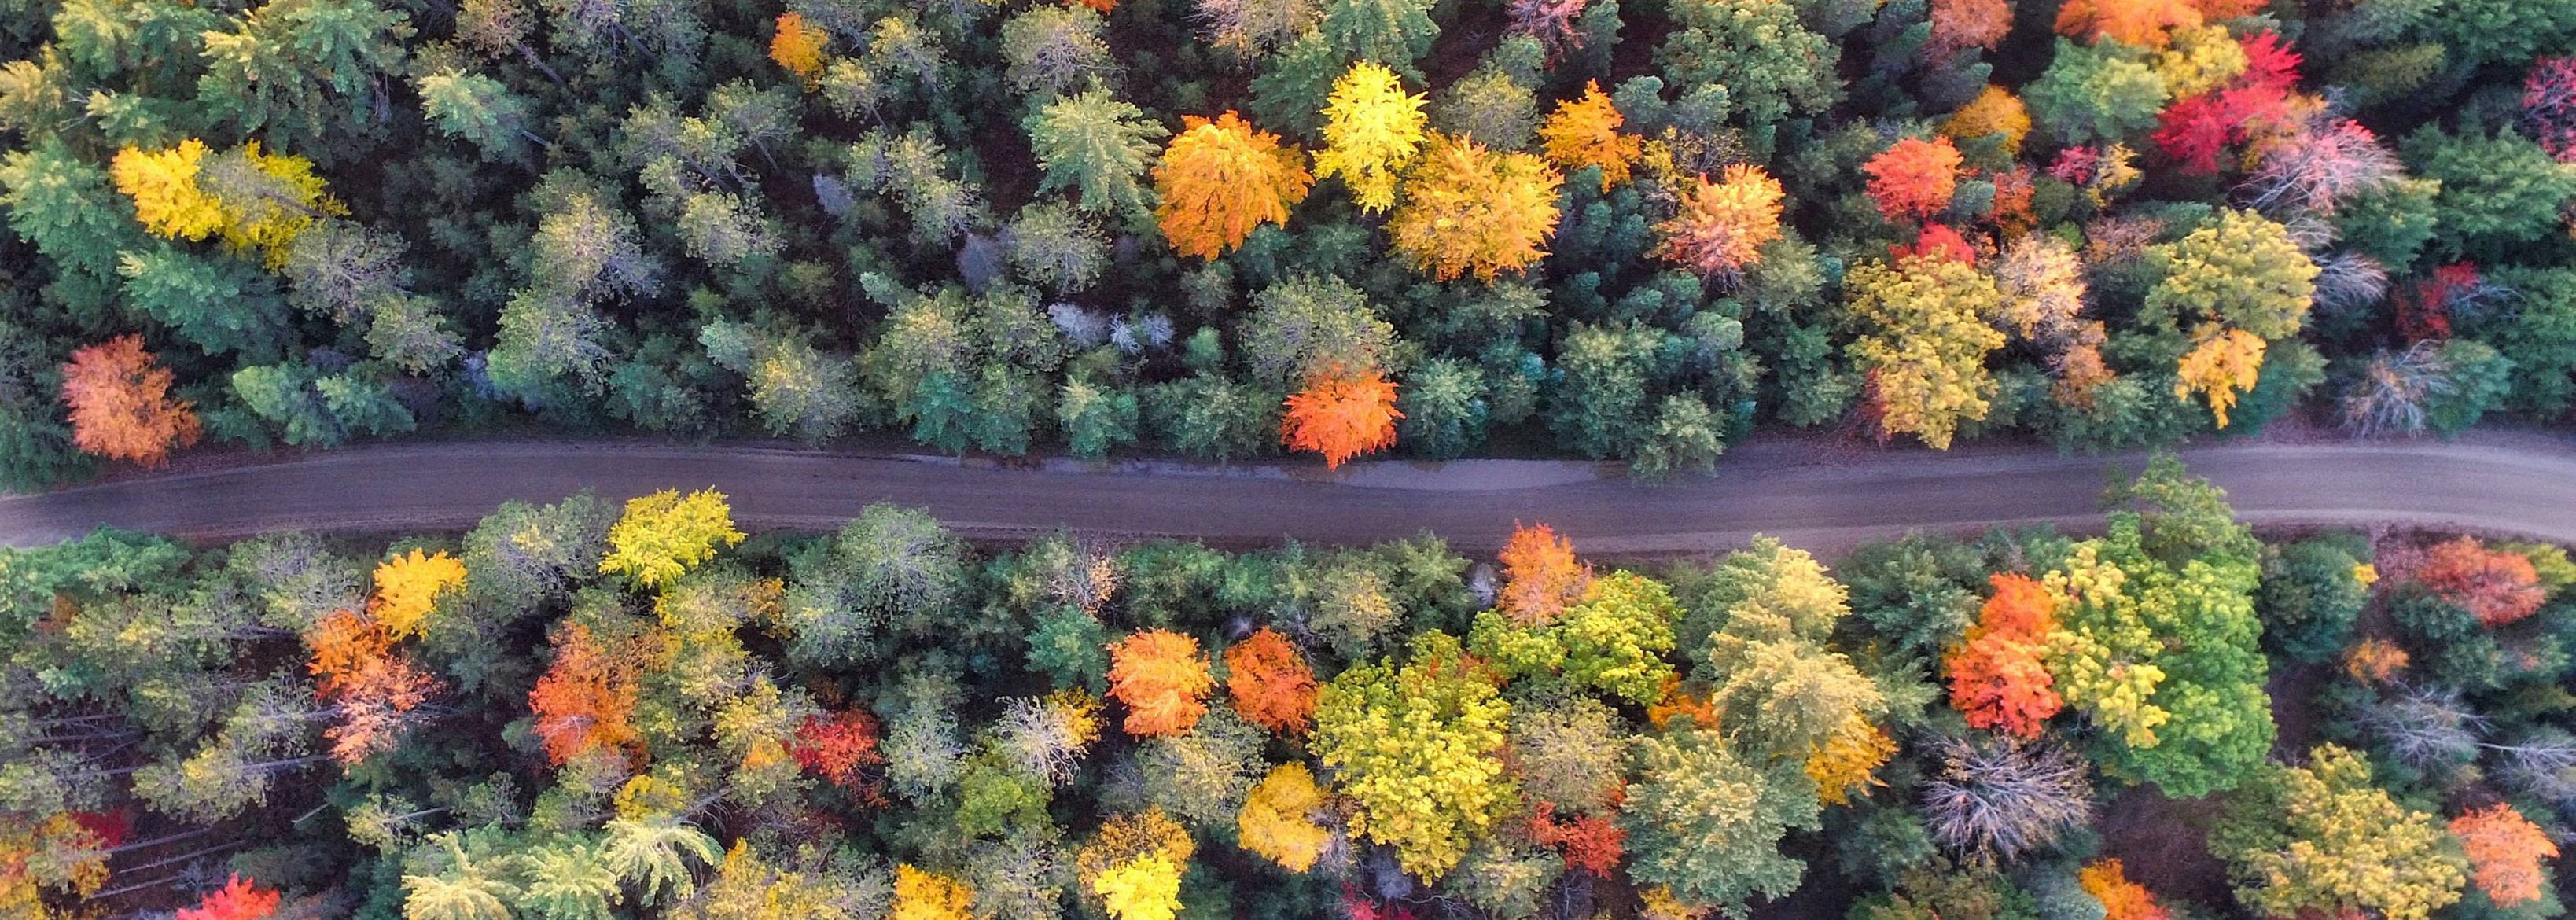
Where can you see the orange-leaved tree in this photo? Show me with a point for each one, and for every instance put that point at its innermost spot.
(2505, 850)
(1848, 760)
(1914, 178)
(1162, 679)
(1468, 209)
(373, 688)
(839, 747)
(1962, 24)
(1591, 843)
(1997, 676)
(1221, 179)
(408, 586)
(2121, 898)
(2146, 23)
(1541, 577)
(237, 900)
(1722, 226)
(1270, 682)
(585, 700)
(1341, 416)
(1584, 131)
(798, 46)
(120, 403)
(2497, 586)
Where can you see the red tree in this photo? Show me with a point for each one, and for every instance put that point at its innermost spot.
(1590, 842)
(1914, 179)
(1271, 683)
(237, 900)
(2197, 130)
(120, 403)
(2496, 586)
(2549, 101)
(1997, 679)
(839, 748)
(585, 699)
(1937, 241)
(1961, 24)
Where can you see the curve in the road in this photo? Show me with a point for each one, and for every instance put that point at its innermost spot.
(2523, 487)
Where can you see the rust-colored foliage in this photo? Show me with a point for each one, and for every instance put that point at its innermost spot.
(120, 403)
(237, 900)
(2375, 661)
(1682, 702)
(2505, 850)
(2496, 586)
(2425, 312)
(585, 699)
(1342, 416)
(1914, 179)
(839, 747)
(798, 46)
(1962, 24)
(2121, 899)
(1722, 226)
(1551, 22)
(1997, 678)
(1163, 680)
(2148, 23)
(356, 669)
(1937, 241)
(1591, 843)
(1585, 132)
(1541, 577)
(1271, 683)
(1220, 179)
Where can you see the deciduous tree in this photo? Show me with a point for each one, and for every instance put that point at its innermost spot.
(1162, 679)
(408, 585)
(1722, 226)
(1541, 577)
(1926, 344)
(2145, 23)
(799, 47)
(1220, 179)
(1372, 130)
(2325, 838)
(2496, 586)
(1277, 820)
(1270, 682)
(1998, 678)
(586, 698)
(1468, 209)
(2505, 851)
(1914, 178)
(1415, 745)
(1584, 132)
(120, 403)
(664, 534)
(1341, 416)
(2121, 898)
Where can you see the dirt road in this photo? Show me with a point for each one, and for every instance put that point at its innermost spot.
(2522, 485)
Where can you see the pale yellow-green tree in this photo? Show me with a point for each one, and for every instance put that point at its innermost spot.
(664, 534)
(1924, 343)
(1415, 745)
(2325, 840)
(1372, 129)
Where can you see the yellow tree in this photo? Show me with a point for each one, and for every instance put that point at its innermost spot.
(1469, 209)
(1584, 131)
(1995, 112)
(255, 200)
(1276, 821)
(1372, 128)
(798, 46)
(1722, 226)
(163, 184)
(665, 533)
(1220, 179)
(1924, 344)
(1145, 888)
(920, 895)
(407, 586)
(2222, 366)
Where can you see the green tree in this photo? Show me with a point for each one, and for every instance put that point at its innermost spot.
(1444, 408)
(2098, 93)
(1707, 825)
(2499, 192)
(1755, 54)
(1599, 406)
(1097, 146)
(1390, 32)
(302, 71)
(478, 110)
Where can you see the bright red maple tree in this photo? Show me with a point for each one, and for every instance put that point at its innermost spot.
(1914, 179)
(1591, 843)
(2195, 131)
(237, 900)
(839, 747)
(120, 404)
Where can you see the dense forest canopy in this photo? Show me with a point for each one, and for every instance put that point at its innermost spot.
(582, 711)
(1228, 228)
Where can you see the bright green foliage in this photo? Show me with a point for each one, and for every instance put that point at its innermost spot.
(2157, 638)
(663, 534)
(1372, 129)
(1098, 146)
(2311, 593)
(2242, 271)
(2097, 93)
(1415, 745)
(1708, 826)
(1925, 344)
(1614, 642)
(2324, 838)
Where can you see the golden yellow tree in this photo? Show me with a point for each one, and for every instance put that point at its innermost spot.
(798, 46)
(1722, 226)
(163, 184)
(1995, 111)
(1469, 209)
(1584, 131)
(663, 534)
(1925, 344)
(407, 586)
(920, 895)
(2222, 366)
(253, 199)
(1220, 179)
(1372, 129)
(1274, 822)
(1848, 761)
(1145, 888)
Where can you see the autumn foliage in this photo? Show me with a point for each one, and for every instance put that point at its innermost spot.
(2257, 103)
(1342, 416)
(237, 900)
(584, 701)
(2147, 23)
(120, 403)
(1220, 179)
(2121, 898)
(1962, 24)
(1372, 129)
(1275, 821)
(839, 747)
(798, 46)
(1591, 843)
(2549, 102)
(1914, 179)
(1997, 677)
(356, 669)
(2222, 366)
(1722, 226)
(1472, 210)
(1584, 131)
(1162, 679)
(2505, 850)
(1270, 682)
(2496, 586)
(1541, 577)
(407, 586)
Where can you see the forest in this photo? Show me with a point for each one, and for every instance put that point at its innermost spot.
(1226, 229)
(582, 711)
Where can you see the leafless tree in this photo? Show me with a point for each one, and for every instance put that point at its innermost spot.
(2001, 798)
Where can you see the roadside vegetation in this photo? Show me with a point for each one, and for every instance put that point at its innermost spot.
(581, 711)
(1228, 229)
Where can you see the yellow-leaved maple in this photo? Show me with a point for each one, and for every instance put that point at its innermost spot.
(920, 895)
(1275, 822)
(1722, 226)
(272, 199)
(1342, 416)
(407, 586)
(1584, 131)
(1221, 179)
(2222, 366)
(798, 46)
(163, 184)
(1469, 209)
(1372, 129)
